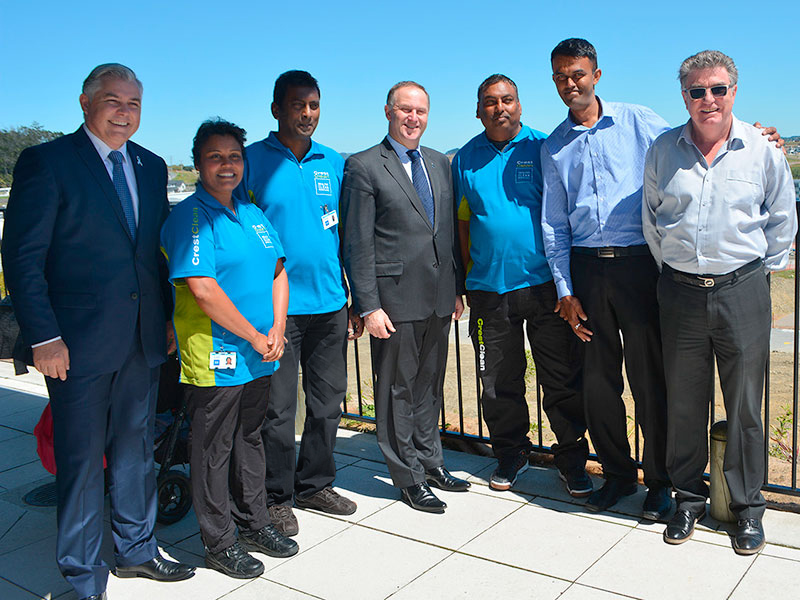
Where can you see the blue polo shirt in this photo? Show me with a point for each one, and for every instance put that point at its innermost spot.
(202, 238)
(500, 194)
(294, 196)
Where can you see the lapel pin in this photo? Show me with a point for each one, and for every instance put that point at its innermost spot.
(139, 161)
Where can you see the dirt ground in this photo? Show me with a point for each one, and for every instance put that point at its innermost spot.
(465, 394)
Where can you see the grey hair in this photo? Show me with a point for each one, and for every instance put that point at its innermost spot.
(402, 84)
(94, 81)
(708, 59)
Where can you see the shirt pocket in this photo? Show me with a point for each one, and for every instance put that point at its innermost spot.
(743, 190)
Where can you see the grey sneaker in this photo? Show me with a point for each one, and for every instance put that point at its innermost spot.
(329, 501)
(284, 520)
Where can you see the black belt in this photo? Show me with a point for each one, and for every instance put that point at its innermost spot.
(612, 251)
(709, 281)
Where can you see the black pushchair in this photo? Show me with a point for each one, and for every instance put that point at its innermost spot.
(171, 446)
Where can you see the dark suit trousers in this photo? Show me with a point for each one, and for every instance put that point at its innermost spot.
(409, 368)
(732, 323)
(226, 456)
(113, 414)
(619, 294)
(496, 329)
(318, 343)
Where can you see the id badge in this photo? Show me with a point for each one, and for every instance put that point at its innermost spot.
(222, 360)
(329, 219)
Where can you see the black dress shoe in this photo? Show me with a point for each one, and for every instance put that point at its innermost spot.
(159, 569)
(680, 527)
(608, 495)
(657, 504)
(96, 597)
(442, 479)
(749, 536)
(420, 497)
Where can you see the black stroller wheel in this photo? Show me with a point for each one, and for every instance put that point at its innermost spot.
(174, 497)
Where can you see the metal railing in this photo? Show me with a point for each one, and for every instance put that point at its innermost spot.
(355, 410)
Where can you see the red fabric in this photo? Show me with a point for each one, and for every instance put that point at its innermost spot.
(44, 441)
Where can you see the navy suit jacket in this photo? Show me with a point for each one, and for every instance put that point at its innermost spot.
(70, 263)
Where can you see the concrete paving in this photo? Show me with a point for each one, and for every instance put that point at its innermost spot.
(534, 541)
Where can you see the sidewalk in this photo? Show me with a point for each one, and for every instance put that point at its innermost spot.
(533, 542)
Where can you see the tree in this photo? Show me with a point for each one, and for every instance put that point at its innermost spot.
(13, 141)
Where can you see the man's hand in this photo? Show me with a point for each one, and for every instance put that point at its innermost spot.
(459, 308)
(379, 324)
(355, 324)
(773, 134)
(171, 344)
(52, 360)
(569, 308)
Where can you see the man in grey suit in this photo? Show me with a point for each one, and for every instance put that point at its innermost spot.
(401, 258)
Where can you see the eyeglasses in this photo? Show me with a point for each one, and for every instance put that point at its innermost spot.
(718, 91)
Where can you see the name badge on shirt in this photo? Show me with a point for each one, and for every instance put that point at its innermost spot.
(524, 171)
(329, 219)
(263, 235)
(221, 360)
(322, 184)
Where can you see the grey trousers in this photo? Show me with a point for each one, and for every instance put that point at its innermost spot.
(409, 370)
(729, 322)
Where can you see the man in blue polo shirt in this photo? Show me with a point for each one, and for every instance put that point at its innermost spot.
(498, 181)
(296, 182)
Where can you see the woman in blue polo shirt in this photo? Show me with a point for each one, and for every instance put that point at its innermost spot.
(231, 296)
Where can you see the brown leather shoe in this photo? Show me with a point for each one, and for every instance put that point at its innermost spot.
(284, 520)
(327, 500)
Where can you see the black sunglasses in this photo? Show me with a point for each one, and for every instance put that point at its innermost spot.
(696, 93)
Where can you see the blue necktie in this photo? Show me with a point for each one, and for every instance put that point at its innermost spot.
(123, 191)
(421, 183)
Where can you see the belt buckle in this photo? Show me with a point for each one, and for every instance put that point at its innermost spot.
(605, 253)
(707, 282)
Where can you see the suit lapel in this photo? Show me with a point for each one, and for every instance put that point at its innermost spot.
(396, 170)
(142, 191)
(94, 164)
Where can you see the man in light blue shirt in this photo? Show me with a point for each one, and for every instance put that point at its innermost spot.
(718, 212)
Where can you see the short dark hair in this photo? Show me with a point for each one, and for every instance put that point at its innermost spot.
(402, 84)
(577, 48)
(292, 79)
(491, 80)
(216, 126)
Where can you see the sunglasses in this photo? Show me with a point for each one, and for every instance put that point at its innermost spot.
(718, 91)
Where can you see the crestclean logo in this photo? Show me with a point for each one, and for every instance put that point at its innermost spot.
(322, 183)
(195, 237)
(263, 235)
(481, 347)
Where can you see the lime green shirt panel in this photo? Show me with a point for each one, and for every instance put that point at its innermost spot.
(464, 214)
(196, 346)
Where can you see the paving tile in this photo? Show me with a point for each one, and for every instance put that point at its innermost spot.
(206, 584)
(581, 511)
(693, 560)
(342, 460)
(780, 527)
(370, 490)
(358, 444)
(582, 592)
(172, 534)
(45, 578)
(71, 595)
(30, 473)
(12, 401)
(467, 516)
(24, 420)
(390, 563)
(459, 576)
(569, 544)
(17, 451)
(6, 433)
(769, 577)
(372, 465)
(9, 591)
(260, 589)
(20, 527)
(463, 465)
(781, 552)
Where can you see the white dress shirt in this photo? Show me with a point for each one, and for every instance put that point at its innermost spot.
(405, 160)
(104, 150)
(712, 219)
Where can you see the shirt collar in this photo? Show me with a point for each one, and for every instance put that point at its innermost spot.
(104, 149)
(208, 200)
(523, 133)
(606, 111)
(401, 150)
(272, 140)
(736, 138)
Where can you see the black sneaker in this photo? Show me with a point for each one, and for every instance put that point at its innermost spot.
(268, 540)
(234, 562)
(508, 469)
(328, 501)
(284, 520)
(577, 482)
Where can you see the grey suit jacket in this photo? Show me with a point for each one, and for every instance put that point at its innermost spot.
(394, 258)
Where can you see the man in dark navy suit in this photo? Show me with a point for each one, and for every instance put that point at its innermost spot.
(81, 260)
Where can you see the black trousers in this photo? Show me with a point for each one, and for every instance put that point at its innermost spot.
(409, 370)
(496, 328)
(318, 343)
(226, 456)
(619, 295)
(93, 415)
(732, 323)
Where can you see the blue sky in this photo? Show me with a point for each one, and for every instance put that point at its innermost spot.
(203, 59)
